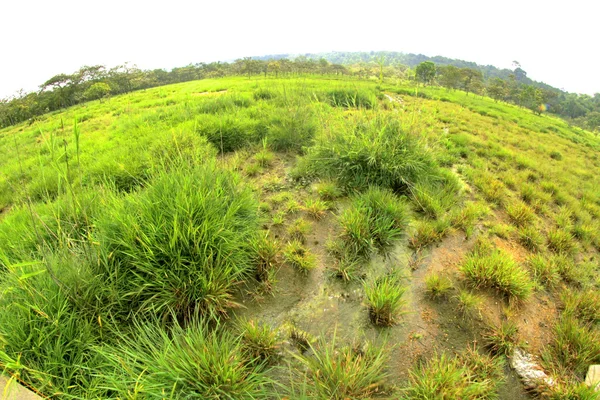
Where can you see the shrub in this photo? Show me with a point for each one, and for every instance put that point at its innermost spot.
(497, 271)
(189, 226)
(385, 300)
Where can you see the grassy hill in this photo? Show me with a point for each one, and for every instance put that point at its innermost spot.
(298, 238)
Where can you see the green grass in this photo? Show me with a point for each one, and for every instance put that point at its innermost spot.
(467, 376)
(501, 339)
(194, 360)
(127, 235)
(385, 299)
(497, 271)
(343, 373)
(190, 226)
(437, 286)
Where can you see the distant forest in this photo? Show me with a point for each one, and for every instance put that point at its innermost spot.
(99, 82)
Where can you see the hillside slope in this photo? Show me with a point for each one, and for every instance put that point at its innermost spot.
(315, 237)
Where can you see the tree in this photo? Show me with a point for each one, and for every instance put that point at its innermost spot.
(471, 80)
(449, 76)
(98, 90)
(425, 72)
(498, 89)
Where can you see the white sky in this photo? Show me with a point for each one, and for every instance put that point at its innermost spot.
(555, 42)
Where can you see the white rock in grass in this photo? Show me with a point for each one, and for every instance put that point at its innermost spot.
(592, 379)
(528, 370)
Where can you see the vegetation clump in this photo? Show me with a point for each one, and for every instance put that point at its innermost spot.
(385, 299)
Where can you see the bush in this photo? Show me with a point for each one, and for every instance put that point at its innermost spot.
(229, 132)
(182, 244)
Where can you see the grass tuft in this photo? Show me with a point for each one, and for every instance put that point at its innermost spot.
(385, 300)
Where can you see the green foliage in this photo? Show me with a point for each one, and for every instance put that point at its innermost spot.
(520, 214)
(189, 226)
(574, 347)
(328, 190)
(385, 300)
(315, 208)
(437, 286)
(544, 270)
(468, 376)
(191, 361)
(376, 152)
(344, 373)
(374, 220)
(531, 238)
(291, 129)
(228, 132)
(299, 257)
(259, 341)
(560, 241)
(45, 339)
(501, 339)
(497, 271)
(357, 98)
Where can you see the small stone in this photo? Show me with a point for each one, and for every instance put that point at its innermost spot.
(592, 379)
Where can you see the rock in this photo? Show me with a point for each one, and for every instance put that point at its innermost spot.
(592, 379)
(531, 374)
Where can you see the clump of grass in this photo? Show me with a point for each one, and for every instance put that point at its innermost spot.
(351, 98)
(555, 155)
(385, 300)
(259, 340)
(374, 220)
(574, 347)
(468, 303)
(189, 226)
(531, 238)
(278, 218)
(264, 158)
(291, 206)
(501, 339)
(503, 231)
(252, 169)
(315, 208)
(377, 152)
(564, 218)
(428, 232)
(281, 197)
(343, 373)
(298, 229)
(291, 129)
(497, 271)
(520, 214)
(435, 198)
(465, 218)
(46, 338)
(263, 94)
(467, 376)
(265, 258)
(437, 286)
(328, 190)
(299, 257)
(493, 190)
(347, 268)
(544, 270)
(583, 305)
(560, 241)
(195, 359)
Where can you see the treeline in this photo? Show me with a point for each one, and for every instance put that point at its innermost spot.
(501, 84)
(98, 82)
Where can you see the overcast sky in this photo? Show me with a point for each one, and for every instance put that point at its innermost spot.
(555, 42)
